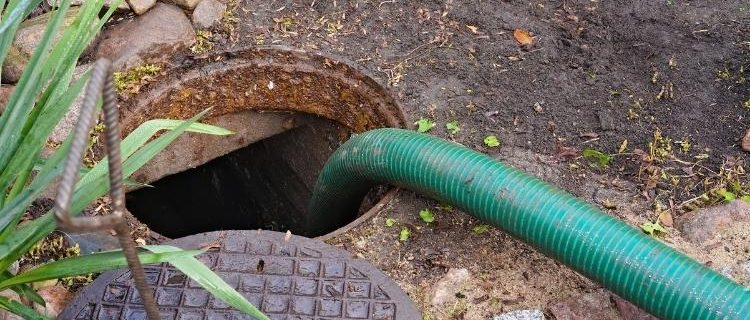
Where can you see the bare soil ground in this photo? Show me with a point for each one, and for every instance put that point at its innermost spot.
(597, 74)
(589, 65)
(658, 86)
(667, 76)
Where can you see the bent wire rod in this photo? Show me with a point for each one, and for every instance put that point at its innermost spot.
(101, 84)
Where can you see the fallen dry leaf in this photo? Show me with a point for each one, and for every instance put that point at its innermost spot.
(746, 141)
(564, 153)
(609, 204)
(523, 37)
(688, 171)
(473, 29)
(589, 135)
(56, 299)
(211, 246)
(623, 146)
(538, 107)
(666, 218)
(215, 244)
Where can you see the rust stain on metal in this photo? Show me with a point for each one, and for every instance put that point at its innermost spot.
(273, 79)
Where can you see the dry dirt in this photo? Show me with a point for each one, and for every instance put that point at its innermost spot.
(597, 74)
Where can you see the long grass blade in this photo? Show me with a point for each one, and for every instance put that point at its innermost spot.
(201, 274)
(2, 7)
(13, 210)
(28, 87)
(21, 240)
(35, 139)
(26, 291)
(12, 16)
(143, 133)
(23, 290)
(90, 263)
(58, 68)
(20, 309)
(15, 15)
(10, 22)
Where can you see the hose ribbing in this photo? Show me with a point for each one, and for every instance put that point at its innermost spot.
(637, 267)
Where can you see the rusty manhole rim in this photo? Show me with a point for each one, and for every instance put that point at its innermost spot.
(197, 69)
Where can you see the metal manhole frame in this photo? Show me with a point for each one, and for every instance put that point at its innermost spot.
(154, 96)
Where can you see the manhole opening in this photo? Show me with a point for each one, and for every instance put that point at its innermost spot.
(265, 185)
(289, 110)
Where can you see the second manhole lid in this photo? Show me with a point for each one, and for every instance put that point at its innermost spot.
(298, 278)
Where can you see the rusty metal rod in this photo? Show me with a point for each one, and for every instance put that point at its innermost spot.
(101, 84)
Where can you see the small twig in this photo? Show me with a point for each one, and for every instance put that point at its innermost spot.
(673, 158)
(686, 202)
(384, 2)
(406, 56)
(591, 140)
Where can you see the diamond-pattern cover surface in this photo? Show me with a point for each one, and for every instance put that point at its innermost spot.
(288, 278)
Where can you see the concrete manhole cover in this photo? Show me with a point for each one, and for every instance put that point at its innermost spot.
(296, 279)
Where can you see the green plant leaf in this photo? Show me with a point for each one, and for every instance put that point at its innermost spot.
(96, 181)
(653, 228)
(47, 83)
(20, 309)
(480, 229)
(145, 132)
(90, 263)
(201, 274)
(597, 157)
(21, 240)
(452, 127)
(426, 215)
(12, 211)
(390, 222)
(34, 141)
(169, 124)
(491, 141)
(745, 198)
(11, 17)
(23, 290)
(424, 125)
(404, 234)
(727, 195)
(16, 15)
(31, 83)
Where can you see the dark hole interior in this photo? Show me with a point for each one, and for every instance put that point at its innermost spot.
(266, 185)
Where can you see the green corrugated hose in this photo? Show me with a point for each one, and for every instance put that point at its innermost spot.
(637, 267)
